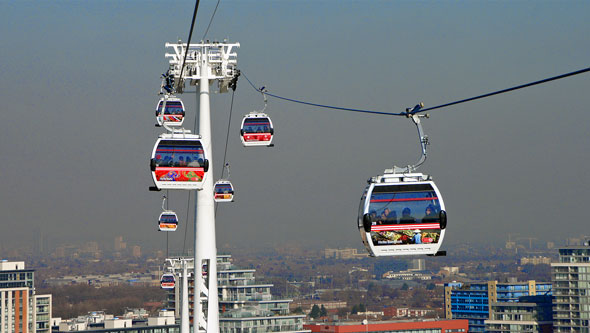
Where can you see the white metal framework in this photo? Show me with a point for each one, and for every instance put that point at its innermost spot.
(221, 63)
(180, 268)
(204, 62)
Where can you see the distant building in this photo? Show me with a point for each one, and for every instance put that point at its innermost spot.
(137, 279)
(21, 310)
(136, 251)
(531, 314)
(307, 305)
(407, 275)
(535, 260)
(99, 322)
(449, 270)
(571, 283)
(473, 301)
(407, 312)
(347, 253)
(419, 326)
(119, 244)
(417, 265)
(60, 252)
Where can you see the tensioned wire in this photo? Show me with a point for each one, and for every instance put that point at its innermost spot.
(231, 108)
(211, 20)
(409, 112)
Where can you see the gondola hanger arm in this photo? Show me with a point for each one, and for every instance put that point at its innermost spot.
(413, 114)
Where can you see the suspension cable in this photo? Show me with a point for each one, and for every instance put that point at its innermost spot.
(407, 113)
(190, 34)
(231, 107)
(508, 89)
(319, 105)
(210, 21)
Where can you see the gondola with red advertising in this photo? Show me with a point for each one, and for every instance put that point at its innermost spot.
(402, 212)
(223, 188)
(179, 162)
(224, 191)
(168, 220)
(168, 281)
(170, 111)
(256, 130)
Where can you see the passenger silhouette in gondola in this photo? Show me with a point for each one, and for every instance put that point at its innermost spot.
(389, 217)
(383, 216)
(430, 215)
(374, 217)
(407, 217)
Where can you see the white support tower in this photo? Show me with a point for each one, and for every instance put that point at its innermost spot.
(180, 268)
(204, 62)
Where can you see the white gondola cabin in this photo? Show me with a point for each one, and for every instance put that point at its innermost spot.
(168, 221)
(178, 162)
(256, 130)
(402, 214)
(170, 111)
(168, 281)
(224, 191)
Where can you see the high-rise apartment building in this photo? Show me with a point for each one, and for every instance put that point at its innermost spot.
(571, 290)
(531, 314)
(21, 310)
(473, 301)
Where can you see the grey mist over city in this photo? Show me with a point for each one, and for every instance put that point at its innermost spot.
(80, 84)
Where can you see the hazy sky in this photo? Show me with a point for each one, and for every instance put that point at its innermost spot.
(79, 83)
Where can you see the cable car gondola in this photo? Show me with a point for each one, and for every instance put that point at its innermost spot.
(256, 130)
(402, 214)
(179, 162)
(170, 111)
(224, 191)
(168, 221)
(168, 281)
